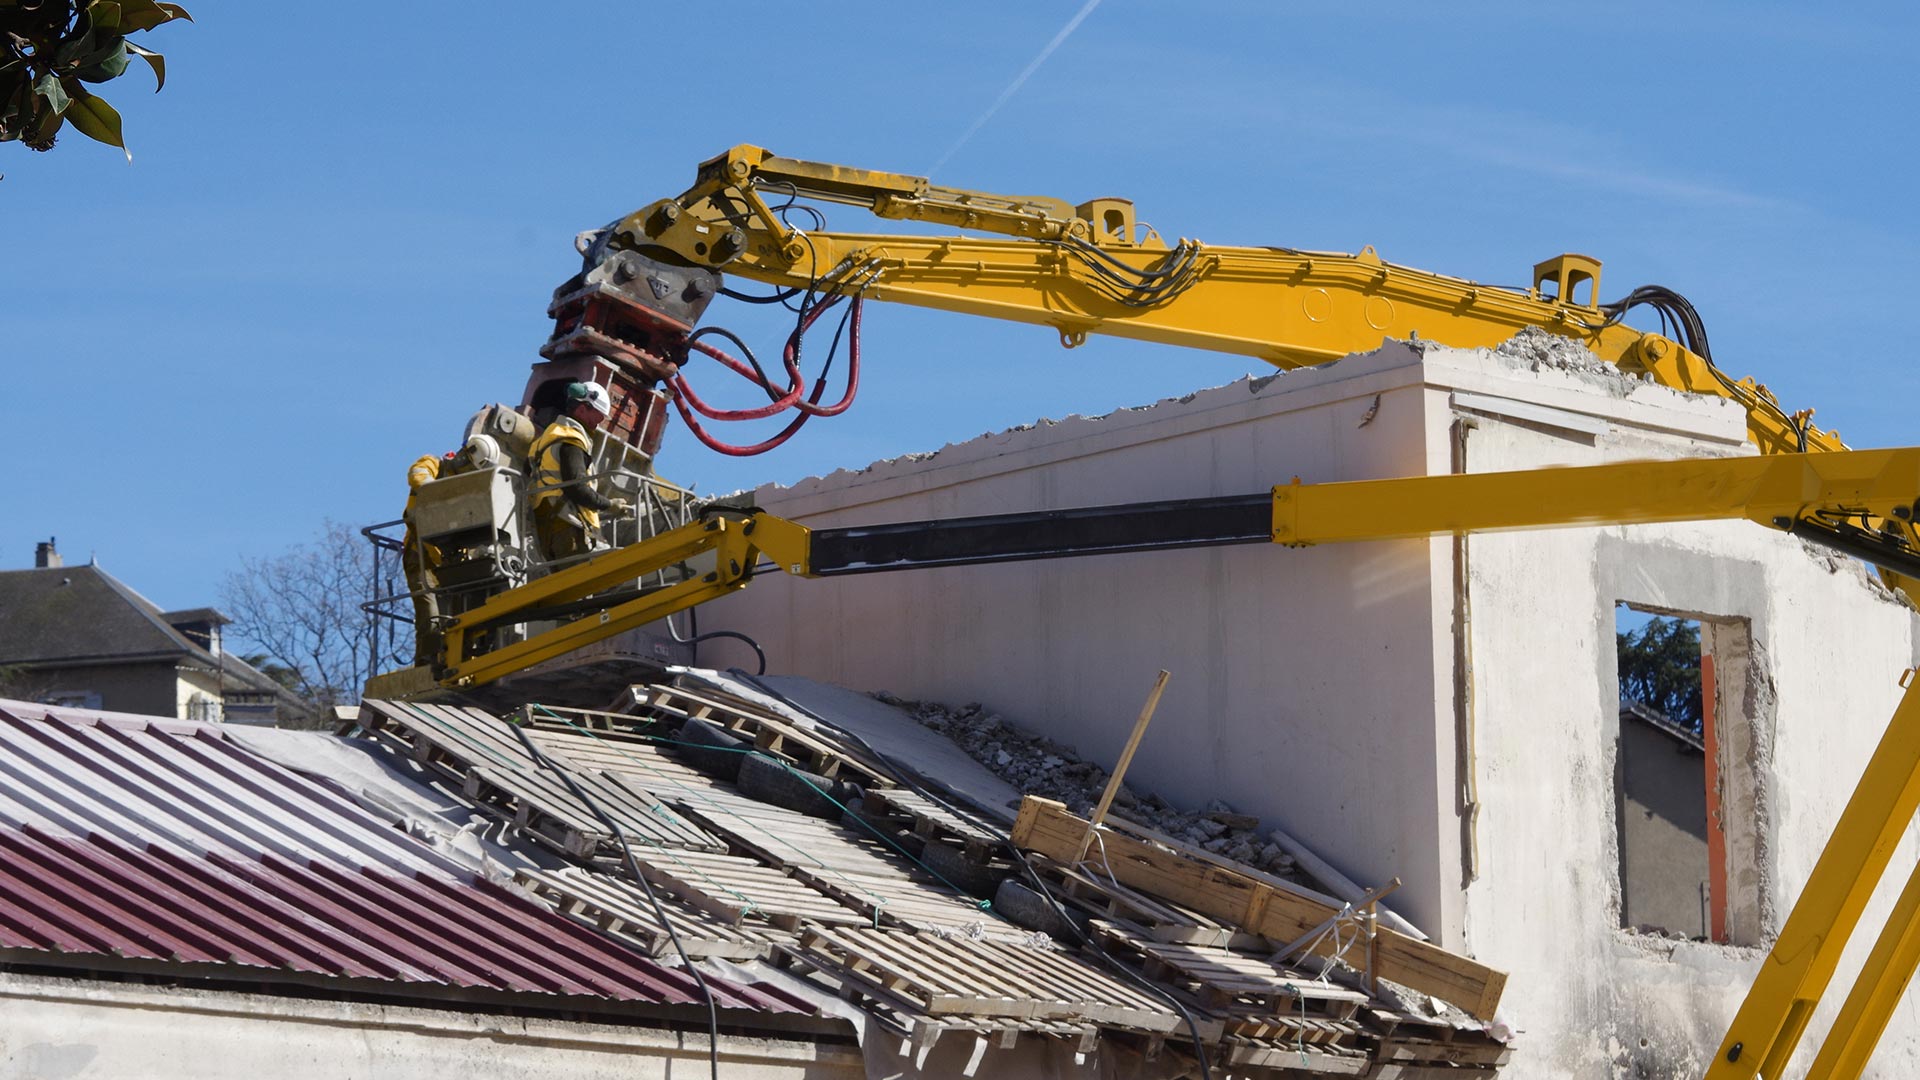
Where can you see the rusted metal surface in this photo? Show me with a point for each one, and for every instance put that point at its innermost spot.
(168, 841)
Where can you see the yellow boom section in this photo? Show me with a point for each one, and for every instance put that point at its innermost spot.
(1093, 269)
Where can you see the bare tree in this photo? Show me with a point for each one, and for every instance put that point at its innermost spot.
(302, 609)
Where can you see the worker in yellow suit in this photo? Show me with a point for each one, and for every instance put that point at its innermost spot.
(566, 509)
(418, 561)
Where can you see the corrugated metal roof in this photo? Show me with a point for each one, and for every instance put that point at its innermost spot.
(166, 840)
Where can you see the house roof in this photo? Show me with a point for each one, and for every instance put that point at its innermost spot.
(128, 840)
(73, 614)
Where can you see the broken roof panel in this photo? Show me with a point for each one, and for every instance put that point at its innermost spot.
(169, 841)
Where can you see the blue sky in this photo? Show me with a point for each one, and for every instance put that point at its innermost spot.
(342, 222)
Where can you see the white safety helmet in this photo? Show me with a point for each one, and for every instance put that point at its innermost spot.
(483, 451)
(590, 393)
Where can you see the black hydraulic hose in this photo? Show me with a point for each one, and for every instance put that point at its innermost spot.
(695, 637)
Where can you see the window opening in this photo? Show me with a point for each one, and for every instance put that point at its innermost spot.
(1672, 858)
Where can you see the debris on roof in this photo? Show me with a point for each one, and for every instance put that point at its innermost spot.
(872, 883)
(797, 862)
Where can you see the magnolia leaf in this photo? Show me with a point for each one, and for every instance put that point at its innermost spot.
(97, 120)
(142, 15)
(175, 11)
(48, 88)
(111, 64)
(155, 61)
(106, 14)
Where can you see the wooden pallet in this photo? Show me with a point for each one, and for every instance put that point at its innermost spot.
(638, 758)
(899, 1016)
(785, 839)
(815, 750)
(914, 813)
(1283, 1054)
(621, 908)
(535, 801)
(847, 864)
(953, 976)
(911, 902)
(735, 889)
(1408, 1040)
(1295, 1031)
(451, 739)
(1260, 906)
(1239, 983)
(1103, 898)
(483, 755)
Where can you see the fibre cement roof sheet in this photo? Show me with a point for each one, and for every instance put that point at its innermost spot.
(125, 838)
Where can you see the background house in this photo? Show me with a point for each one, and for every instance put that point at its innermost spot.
(76, 635)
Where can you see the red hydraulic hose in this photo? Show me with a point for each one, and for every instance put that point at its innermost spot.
(805, 409)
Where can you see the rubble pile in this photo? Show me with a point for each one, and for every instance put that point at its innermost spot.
(1037, 765)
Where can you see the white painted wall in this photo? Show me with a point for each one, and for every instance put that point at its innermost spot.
(1316, 688)
(1302, 688)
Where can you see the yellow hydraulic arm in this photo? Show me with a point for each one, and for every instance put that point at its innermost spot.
(1092, 268)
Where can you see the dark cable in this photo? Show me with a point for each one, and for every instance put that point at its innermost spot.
(745, 350)
(693, 628)
(770, 298)
(626, 853)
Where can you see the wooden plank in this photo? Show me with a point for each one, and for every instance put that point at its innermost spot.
(1228, 894)
(1126, 759)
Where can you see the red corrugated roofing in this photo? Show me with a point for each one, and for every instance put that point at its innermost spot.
(166, 840)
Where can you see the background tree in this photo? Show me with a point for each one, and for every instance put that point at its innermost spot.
(1660, 667)
(300, 611)
(51, 49)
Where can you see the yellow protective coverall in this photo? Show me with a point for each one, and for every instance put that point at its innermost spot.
(565, 528)
(417, 562)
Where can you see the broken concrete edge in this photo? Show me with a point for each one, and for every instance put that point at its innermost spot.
(1046, 827)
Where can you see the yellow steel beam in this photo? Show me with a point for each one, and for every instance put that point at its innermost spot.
(1863, 1016)
(1798, 968)
(1765, 489)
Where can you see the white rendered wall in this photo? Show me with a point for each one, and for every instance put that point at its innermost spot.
(1316, 687)
(1302, 684)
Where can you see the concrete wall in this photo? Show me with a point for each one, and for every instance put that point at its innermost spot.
(1463, 738)
(1798, 718)
(1663, 831)
(1303, 688)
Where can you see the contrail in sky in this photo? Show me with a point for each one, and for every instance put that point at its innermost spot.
(1018, 81)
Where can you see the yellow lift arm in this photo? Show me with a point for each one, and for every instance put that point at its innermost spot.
(1092, 268)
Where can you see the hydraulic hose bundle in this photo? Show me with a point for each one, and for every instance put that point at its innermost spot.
(794, 396)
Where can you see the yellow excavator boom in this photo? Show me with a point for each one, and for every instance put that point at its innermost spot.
(1092, 268)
